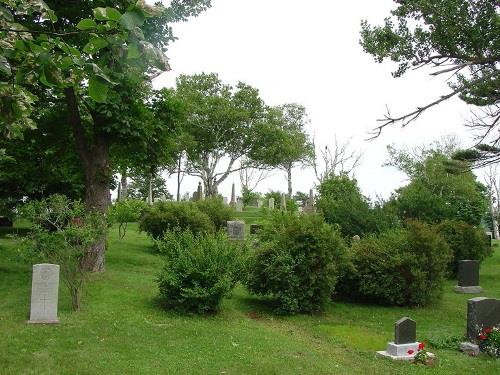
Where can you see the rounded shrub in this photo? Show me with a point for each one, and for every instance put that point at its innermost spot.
(297, 261)
(198, 272)
(164, 216)
(466, 242)
(405, 267)
(126, 211)
(218, 213)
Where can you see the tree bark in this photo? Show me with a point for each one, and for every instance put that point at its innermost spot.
(94, 157)
(124, 185)
(289, 180)
(179, 179)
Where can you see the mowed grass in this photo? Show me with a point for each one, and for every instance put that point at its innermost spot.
(122, 330)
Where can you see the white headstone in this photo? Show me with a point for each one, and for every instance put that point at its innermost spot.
(236, 230)
(224, 200)
(271, 203)
(239, 206)
(259, 203)
(44, 293)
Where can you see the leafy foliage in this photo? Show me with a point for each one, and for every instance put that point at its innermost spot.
(126, 211)
(61, 233)
(297, 262)
(218, 213)
(199, 270)
(164, 216)
(404, 267)
(465, 241)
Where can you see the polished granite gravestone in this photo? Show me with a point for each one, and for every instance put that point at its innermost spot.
(482, 313)
(405, 345)
(468, 277)
(44, 294)
(236, 230)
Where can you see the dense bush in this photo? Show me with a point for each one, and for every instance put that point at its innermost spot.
(218, 213)
(199, 270)
(341, 203)
(126, 211)
(465, 241)
(163, 216)
(62, 232)
(297, 261)
(398, 267)
(249, 197)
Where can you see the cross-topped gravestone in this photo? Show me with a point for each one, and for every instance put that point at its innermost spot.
(405, 331)
(44, 294)
(482, 313)
(236, 230)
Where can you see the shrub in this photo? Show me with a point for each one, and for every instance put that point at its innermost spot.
(249, 197)
(218, 213)
(126, 211)
(297, 262)
(164, 216)
(465, 241)
(398, 267)
(61, 233)
(199, 270)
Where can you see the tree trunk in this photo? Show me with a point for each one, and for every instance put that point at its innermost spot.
(179, 179)
(150, 190)
(494, 219)
(289, 180)
(94, 157)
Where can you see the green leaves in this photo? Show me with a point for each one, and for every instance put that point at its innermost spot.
(131, 19)
(86, 24)
(133, 51)
(4, 66)
(6, 14)
(98, 89)
(95, 44)
(105, 14)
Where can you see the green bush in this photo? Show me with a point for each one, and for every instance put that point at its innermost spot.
(199, 270)
(164, 216)
(297, 261)
(291, 205)
(404, 267)
(465, 241)
(218, 213)
(126, 211)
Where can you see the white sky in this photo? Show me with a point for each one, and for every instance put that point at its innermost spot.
(308, 52)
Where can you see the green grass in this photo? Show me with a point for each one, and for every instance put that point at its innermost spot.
(121, 329)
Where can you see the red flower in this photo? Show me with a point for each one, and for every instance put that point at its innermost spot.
(411, 351)
(482, 337)
(488, 330)
(421, 346)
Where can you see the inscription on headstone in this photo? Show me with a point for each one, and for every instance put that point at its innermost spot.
(482, 313)
(405, 331)
(44, 293)
(236, 230)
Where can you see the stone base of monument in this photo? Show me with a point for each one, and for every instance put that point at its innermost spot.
(42, 321)
(400, 351)
(469, 348)
(468, 289)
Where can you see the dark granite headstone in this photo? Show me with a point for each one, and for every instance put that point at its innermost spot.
(482, 312)
(254, 228)
(405, 331)
(488, 240)
(5, 222)
(468, 273)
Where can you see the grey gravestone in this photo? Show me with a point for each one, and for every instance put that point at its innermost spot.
(236, 230)
(482, 312)
(44, 294)
(468, 273)
(271, 203)
(259, 203)
(254, 228)
(405, 331)
(233, 196)
(199, 195)
(239, 206)
(283, 202)
(468, 277)
(224, 201)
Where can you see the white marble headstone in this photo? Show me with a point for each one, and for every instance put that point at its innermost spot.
(44, 293)
(236, 230)
(271, 203)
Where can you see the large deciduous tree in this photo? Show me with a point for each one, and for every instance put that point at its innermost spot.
(97, 57)
(456, 38)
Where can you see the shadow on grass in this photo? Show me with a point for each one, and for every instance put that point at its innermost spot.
(5, 232)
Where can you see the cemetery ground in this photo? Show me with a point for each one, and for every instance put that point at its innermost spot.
(121, 329)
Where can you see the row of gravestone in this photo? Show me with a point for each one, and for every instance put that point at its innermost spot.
(482, 313)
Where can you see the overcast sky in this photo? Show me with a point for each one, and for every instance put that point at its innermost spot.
(308, 52)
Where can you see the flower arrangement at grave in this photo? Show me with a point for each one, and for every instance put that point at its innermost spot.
(489, 341)
(422, 356)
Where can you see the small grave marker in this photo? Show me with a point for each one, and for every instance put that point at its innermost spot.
(468, 277)
(236, 230)
(44, 294)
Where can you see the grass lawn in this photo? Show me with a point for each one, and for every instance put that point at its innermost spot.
(121, 329)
